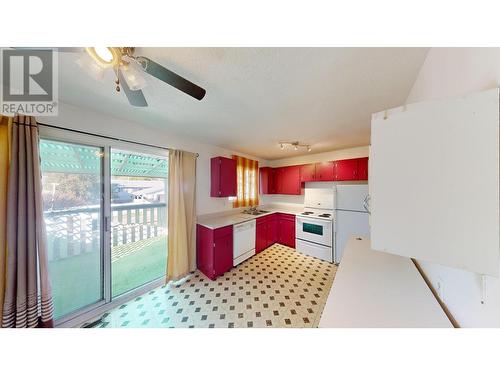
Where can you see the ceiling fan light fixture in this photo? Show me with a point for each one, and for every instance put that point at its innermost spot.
(90, 67)
(134, 76)
(106, 57)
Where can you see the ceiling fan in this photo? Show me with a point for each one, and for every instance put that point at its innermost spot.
(129, 69)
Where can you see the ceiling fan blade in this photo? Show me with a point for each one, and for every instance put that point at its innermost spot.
(173, 79)
(135, 97)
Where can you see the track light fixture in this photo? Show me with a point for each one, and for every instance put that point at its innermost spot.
(295, 145)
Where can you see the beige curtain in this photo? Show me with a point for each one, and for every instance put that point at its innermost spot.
(28, 297)
(5, 124)
(181, 257)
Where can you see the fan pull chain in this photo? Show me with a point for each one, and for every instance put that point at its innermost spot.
(117, 81)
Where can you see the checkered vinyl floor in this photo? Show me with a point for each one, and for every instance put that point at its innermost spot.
(278, 287)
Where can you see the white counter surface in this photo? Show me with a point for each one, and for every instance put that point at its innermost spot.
(214, 221)
(376, 289)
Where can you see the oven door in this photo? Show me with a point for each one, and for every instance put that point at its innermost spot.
(314, 230)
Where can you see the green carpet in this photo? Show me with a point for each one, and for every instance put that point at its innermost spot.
(76, 281)
(139, 267)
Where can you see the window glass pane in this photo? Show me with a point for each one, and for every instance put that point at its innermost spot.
(139, 219)
(72, 192)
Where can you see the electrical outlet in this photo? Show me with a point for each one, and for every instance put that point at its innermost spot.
(440, 288)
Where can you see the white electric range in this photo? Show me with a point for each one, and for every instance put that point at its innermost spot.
(314, 228)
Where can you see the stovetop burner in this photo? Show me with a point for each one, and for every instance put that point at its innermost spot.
(319, 214)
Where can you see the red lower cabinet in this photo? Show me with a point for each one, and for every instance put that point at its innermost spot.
(261, 234)
(272, 229)
(266, 233)
(214, 250)
(286, 230)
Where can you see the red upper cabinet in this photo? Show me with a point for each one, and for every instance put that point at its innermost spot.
(286, 180)
(264, 180)
(307, 172)
(268, 180)
(273, 185)
(325, 171)
(290, 180)
(278, 177)
(223, 177)
(346, 170)
(363, 169)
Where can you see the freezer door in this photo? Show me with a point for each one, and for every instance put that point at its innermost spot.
(349, 223)
(351, 197)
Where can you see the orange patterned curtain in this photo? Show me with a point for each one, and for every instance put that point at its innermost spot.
(247, 174)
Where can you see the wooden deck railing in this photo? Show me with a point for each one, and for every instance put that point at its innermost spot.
(76, 231)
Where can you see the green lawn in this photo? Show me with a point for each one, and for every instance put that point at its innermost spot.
(76, 281)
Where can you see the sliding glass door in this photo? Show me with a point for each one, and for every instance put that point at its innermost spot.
(105, 210)
(72, 181)
(139, 219)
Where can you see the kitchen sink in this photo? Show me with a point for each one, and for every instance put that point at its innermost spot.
(259, 213)
(255, 212)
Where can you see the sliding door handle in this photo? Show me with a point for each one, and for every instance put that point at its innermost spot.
(107, 223)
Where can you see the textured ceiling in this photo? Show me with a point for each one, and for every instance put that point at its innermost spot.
(259, 96)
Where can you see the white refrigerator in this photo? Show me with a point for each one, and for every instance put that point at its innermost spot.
(351, 216)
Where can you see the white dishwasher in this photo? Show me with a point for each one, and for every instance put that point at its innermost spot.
(243, 241)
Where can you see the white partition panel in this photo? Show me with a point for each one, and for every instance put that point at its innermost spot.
(434, 182)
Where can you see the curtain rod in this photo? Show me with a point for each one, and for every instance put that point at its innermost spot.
(105, 136)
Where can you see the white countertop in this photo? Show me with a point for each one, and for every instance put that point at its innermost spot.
(214, 221)
(376, 289)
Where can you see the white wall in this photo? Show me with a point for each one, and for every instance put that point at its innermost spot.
(99, 123)
(449, 72)
(298, 200)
